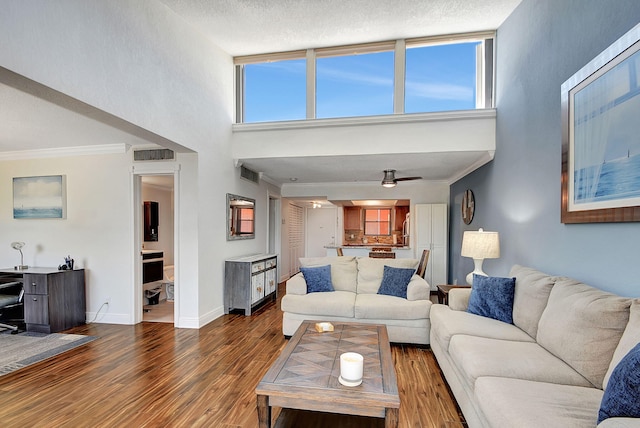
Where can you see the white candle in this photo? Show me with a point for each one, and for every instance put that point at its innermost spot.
(351, 367)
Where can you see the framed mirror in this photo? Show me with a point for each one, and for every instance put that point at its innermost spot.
(240, 217)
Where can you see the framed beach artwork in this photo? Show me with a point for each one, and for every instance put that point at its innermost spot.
(39, 197)
(601, 137)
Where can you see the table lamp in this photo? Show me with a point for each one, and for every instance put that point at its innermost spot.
(479, 245)
(18, 246)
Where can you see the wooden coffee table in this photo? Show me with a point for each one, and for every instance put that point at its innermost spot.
(305, 375)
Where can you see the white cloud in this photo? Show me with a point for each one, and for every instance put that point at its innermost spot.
(440, 91)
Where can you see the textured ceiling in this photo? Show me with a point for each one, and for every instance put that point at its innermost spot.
(243, 27)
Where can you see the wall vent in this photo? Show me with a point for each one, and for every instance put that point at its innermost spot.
(249, 174)
(153, 155)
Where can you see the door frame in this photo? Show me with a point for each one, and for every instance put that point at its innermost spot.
(137, 171)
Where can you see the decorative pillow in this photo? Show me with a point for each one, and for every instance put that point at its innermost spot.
(318, 279)
(622, 396)
(492, 297)
(395, 281)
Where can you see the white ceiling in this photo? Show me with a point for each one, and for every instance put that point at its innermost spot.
(37, 118)
(243, 27)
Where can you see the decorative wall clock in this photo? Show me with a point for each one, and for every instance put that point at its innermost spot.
(468, 206)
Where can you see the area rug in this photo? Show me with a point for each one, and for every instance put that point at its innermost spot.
(20, 350)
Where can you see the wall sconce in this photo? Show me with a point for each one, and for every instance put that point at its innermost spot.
(316, 205)
(480, 245)
(18, 246)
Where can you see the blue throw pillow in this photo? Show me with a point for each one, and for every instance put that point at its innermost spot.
(395, 281)
(318, 279)
(492, 297)
(622, 396)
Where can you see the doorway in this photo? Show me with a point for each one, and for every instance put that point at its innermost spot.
(158, 286)
(156, 259)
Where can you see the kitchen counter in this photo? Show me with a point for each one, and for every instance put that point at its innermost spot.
(369, 246)
(401, 252)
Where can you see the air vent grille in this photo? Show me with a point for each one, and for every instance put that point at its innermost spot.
(153, 155)
(249, 174)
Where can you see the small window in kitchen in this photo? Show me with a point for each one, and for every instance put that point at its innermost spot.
(377, 221)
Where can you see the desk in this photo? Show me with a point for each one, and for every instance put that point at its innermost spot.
(54, 300)
(443, 292)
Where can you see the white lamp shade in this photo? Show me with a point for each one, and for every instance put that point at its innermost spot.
(480, 244)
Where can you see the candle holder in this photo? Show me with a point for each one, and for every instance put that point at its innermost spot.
(351, 369)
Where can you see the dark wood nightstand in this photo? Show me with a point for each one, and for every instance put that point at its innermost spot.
(443, 292)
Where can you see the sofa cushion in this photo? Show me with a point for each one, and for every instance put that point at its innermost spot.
(318, 279)
(371, 270)
(492, 297)
(479, 356)
(583, 325)
(522, 403)
(629, 339)
(335, 303)
(622, 396)
(531, 295)
(395, 281)
(446, 323)
(376, 306)
(344, 270)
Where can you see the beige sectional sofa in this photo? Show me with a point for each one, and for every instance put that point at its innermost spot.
(548, 368)
(356, 282)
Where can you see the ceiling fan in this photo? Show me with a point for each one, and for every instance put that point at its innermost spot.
(390, 179)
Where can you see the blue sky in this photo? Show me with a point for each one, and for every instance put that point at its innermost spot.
(438, 78)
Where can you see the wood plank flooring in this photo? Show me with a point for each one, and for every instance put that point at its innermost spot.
(153, 375)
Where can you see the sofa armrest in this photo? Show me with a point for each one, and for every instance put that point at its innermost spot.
(296, 284)
(418, 289)
(459, 298)
(620, 423)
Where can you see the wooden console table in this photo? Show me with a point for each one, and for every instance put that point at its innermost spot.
(249, 281)
(54, 300)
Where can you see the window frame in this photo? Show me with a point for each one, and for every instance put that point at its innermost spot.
(485, 68)
(378, 222)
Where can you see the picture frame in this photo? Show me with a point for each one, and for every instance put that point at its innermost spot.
(40, 197)
(600, 107)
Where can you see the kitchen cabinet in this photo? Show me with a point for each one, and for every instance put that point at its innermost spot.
(352, 218)
(431, 233)
(400, 217)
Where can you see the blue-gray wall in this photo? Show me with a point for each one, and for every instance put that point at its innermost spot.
(542, 44)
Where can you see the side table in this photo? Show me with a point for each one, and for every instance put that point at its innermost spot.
(443, 292)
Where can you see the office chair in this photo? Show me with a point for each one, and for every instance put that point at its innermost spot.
(11, 306)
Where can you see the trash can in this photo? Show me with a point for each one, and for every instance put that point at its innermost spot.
(153, 296)
(169, 290)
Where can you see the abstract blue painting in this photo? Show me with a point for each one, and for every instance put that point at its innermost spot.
(39, 197)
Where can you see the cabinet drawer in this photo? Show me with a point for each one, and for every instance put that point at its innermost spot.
(36, 284)
(257, 266)
(36, 309)
(271, 263)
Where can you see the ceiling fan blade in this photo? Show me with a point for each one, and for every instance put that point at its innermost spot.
(408, 178)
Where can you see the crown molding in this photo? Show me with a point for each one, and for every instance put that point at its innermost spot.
(103, 149)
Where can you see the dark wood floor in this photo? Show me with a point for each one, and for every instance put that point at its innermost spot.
(152, 375)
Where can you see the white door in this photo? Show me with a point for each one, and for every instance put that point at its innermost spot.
(321, 230)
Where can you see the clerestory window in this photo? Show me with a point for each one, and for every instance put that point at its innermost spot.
(422, 75)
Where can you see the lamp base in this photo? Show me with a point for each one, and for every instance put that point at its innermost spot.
(477, 269)
(21, 267)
